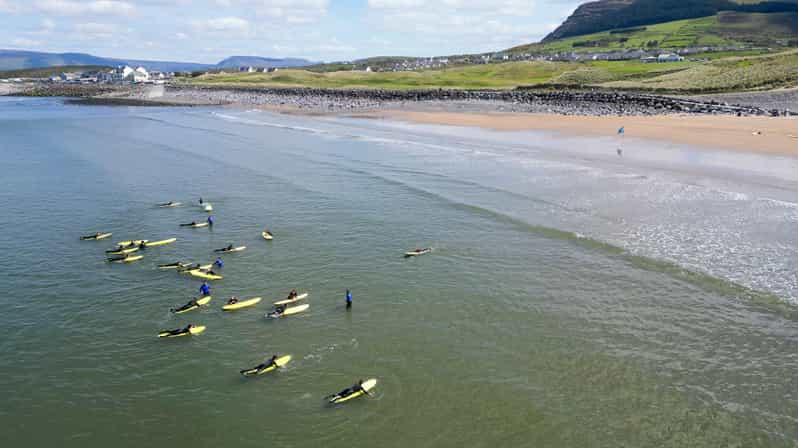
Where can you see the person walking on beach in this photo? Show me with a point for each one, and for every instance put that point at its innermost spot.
(348, 299)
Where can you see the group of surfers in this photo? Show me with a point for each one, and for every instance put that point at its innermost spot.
(205, 290)
(140, 245)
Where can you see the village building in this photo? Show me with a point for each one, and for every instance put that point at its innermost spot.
(669, 57)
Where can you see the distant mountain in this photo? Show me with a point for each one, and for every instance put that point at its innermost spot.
(256, 61)
(17, 59)
(603, 15)
(20, 59)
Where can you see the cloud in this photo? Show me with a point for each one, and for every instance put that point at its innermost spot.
(290, 11)
(22, 42)
(46, 27)
(94, 30)
(475, 25)
(223, 24)
(495, 7)
(6, 6)
(69, 7)
(332, 48)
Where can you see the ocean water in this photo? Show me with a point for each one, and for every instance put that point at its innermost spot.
(574, 297)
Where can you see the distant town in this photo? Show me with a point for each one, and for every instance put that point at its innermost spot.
(126, 75)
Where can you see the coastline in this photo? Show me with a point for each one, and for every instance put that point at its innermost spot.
(777, 136)
(757, 125)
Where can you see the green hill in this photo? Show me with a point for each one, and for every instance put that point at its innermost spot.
(719, 30)
(604, 15)
(733, 74)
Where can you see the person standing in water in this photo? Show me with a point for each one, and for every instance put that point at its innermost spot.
(210, 220)
(348, 299)
(218, 263)
(205, 289)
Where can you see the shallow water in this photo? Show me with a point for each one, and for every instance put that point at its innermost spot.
(574, 298)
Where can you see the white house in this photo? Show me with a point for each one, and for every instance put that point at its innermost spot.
(139, 75)
(119, 74)
(69, 76)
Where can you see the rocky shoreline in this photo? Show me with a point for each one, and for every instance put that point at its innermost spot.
(315, 100)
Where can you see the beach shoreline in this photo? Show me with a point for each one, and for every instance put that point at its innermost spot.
(762, 135)
(704, 123)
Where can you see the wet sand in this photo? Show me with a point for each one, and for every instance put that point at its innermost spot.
(755, 134)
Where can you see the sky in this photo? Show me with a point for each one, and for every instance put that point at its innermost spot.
(321, 30)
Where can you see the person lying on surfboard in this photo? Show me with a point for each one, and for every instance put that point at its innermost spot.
(269, 363)
(191, 303)
(182, 330)
(293, 294)
(233, 300)
(356, 388)
(264, 365)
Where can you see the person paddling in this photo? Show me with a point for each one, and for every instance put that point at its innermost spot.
(358, 387)
(205, 289)
(279, 310)
(191, 303)
(233, 300)
(182, 330)
(269, 363)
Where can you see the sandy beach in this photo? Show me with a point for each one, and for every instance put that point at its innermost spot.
(708, 125)
(756, 134)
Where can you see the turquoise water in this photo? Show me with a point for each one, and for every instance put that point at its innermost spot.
(573, 298)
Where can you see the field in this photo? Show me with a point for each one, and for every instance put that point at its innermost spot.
(724, 75)
(752, 72)
(489, 76)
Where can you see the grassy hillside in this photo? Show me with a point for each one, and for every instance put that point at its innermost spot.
(720, 75)
(724, 29)
(48, 71)
(723, 75)
(492, 76)
(603, 15)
